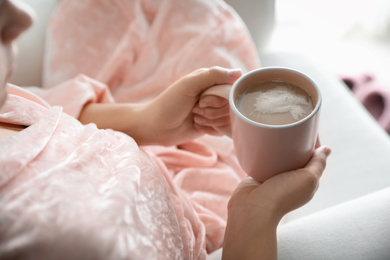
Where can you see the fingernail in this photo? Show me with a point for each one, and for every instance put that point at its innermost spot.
(327, 151)
(234, 73)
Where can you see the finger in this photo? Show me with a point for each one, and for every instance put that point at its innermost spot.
(202, 79)
(212, 113)
(221, 90)
(212, 101)
(222, 121)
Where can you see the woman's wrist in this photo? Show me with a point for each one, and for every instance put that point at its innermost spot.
(254, 214)
(124, 117)
(250, 235)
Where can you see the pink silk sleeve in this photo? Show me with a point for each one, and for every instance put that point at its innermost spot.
(72, 191)
(74, 94)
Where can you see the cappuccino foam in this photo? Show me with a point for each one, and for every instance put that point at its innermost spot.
(275, 103)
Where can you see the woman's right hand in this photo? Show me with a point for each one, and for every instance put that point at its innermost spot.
(255, 209)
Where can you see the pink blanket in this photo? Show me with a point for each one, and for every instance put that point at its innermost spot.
(137, 49)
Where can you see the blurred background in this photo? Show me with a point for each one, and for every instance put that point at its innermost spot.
(345, 36)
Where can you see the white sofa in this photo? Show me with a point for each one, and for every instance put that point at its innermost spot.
(347, 217)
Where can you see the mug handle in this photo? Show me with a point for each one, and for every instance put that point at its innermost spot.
(222, 91)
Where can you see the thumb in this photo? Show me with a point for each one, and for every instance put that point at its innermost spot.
(318, 162)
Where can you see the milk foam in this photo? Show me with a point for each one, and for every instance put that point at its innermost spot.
(282, 99)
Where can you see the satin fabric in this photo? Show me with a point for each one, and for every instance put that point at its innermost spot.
(96, 190)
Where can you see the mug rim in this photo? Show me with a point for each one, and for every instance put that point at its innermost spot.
(280, 68)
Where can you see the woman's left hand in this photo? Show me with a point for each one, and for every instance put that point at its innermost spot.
(170, 119)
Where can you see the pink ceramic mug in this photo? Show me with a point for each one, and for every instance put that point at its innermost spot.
(266, 150)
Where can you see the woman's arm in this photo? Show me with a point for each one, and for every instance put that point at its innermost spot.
(255, 209)
(250, 238)
(123, 117)
(168, 119)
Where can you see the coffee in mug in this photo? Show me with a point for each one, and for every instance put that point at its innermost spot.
(274, 103)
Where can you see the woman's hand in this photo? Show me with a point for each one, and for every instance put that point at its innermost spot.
(170, 118)
(255, 209)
